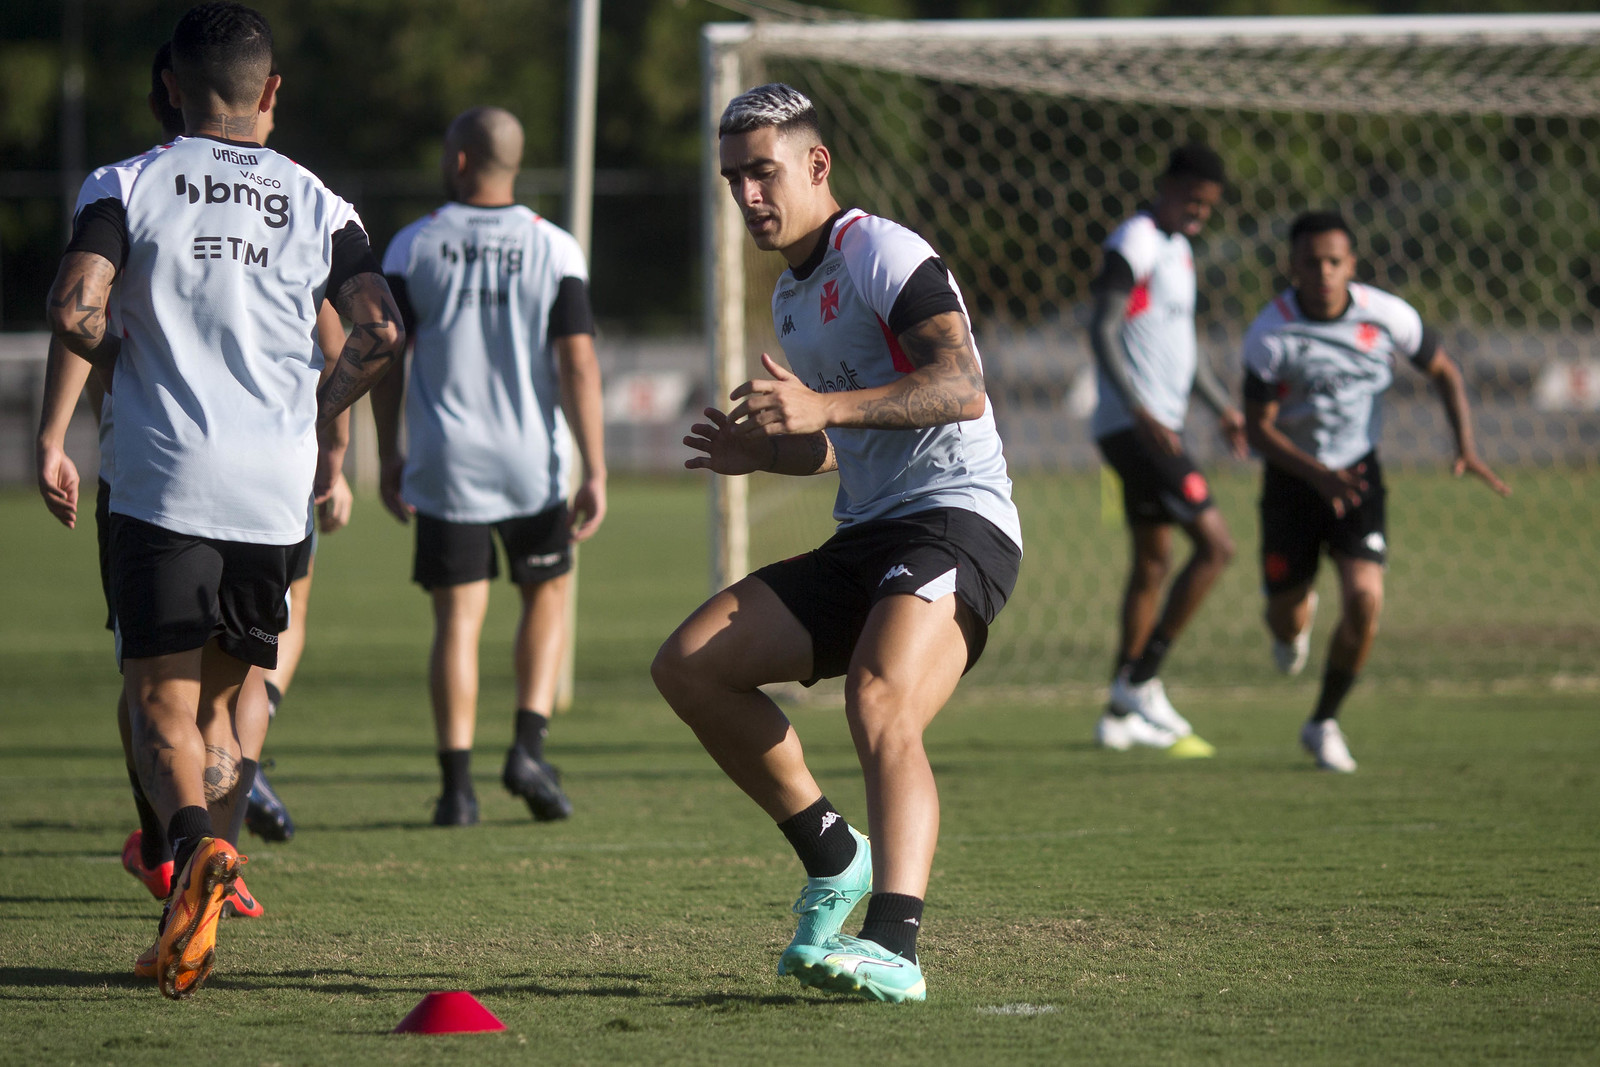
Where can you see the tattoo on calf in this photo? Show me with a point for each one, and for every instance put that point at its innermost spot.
(221, 774)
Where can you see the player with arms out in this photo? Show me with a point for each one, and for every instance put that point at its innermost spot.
(1148, 361)
(496, 300)
(1317, 361)
(886, 389)
(220, 252)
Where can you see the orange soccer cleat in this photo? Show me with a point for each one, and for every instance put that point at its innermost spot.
(188, 941)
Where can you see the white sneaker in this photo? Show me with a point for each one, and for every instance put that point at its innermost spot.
(1148, 700)
(1325, 741)
(1122, 732)
(1291, 656)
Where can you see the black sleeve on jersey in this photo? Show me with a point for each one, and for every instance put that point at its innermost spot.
(402, 300)
(1425, 351)
(1116, 275)
(102, 228)
(1257, 389)
(352, 255)
(571, 315)
(926, 293)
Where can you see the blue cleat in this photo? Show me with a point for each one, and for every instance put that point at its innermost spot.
(860, 967)
(825, 903)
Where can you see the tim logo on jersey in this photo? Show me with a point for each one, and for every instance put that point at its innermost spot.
(274, 207)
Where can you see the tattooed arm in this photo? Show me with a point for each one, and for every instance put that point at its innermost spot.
(376, 338)
(77, 307)
(946, 386)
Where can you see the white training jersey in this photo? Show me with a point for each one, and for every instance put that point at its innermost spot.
(1157, 329)
(486, 437)
(1328, 377)
(838, 317)
(226, 251)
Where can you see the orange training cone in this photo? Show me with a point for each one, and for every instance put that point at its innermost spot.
(449, 1013)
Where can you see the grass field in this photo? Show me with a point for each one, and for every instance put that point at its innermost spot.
(1440, 906)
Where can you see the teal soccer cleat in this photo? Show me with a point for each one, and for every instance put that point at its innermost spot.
(825, 903)
(864, 968)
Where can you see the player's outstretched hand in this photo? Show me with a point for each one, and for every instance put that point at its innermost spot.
(1344, 489)
(588, 510)
(1231, 423)
(782, 404)
(1471, 464)
(726, 450)
(333, 509)
(389, 489)
(58, 484)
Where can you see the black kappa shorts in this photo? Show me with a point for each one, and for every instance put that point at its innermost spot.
(174, 592)
(102, 536)
(1156, 488)
(832, 589)
(1296, 523)
(538, 548)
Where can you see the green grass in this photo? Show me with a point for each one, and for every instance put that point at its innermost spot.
(1440, 906)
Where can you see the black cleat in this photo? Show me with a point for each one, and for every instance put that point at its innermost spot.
(265, 814)
(456, 809)
(536, 782)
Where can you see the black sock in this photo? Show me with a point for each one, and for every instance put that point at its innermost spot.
(153, 847)
(893, 920)
(531, 731)
(1149, 661)
(274, 698)
(185, 830)
(1336, 683)
(247, 778)
(455, 765)
(821, 838)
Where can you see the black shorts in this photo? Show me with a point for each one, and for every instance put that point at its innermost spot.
(1296, 522)
(174, 592)
(1156, 488)
(537, 548)
(102, 536)
(832, 589)
(300, 562)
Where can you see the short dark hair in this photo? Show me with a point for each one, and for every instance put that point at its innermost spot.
(1311, 223)
(222, 48)
(171, 118)
(1195, 160)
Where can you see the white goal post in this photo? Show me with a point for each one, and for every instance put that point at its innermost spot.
(1464, 149)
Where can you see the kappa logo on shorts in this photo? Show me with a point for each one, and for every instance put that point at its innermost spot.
(549, 559)
(896, 571)
(1375, 542)
(261, 635)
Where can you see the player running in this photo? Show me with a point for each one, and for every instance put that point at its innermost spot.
(1148, 361)
(497, 302)
(220, 252)
(1317, 360)
(886, 389)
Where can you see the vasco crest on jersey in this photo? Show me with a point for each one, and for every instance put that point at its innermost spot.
(830, 301)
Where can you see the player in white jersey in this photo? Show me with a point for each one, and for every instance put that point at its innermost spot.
(885, 387)
(496, 301)
(1148, 362)
(146, 854)
(221, 252)
(1317, 361)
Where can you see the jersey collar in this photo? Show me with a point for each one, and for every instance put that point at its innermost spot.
(814, 260)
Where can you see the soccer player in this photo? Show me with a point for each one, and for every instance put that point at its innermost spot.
(887, 389)
(220, 252)
(1317, 361)
(1148, 361)
(503, 364)
(146, 854)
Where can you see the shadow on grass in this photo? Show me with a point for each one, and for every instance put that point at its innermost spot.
(740, 1000)
(60, 978)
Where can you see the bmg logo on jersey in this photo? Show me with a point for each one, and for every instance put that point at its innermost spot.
(274, 207)
(242, 250)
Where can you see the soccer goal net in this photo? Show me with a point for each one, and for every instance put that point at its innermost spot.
(1464, 150)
